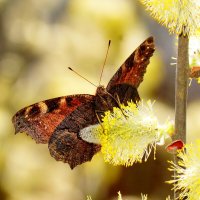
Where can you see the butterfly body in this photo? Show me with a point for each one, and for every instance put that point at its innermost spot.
(58, 121)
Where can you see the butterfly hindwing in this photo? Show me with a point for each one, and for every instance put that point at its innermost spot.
(66, 145)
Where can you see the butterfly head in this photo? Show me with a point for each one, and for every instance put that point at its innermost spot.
(101, 90)
(104, 101)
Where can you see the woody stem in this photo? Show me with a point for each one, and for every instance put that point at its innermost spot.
(181, 90)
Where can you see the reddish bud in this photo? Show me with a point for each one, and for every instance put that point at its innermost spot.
(174, 146)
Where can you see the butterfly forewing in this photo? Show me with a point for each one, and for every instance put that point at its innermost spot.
(133, 69)
(41, 119)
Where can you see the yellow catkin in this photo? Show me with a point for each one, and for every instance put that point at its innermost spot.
(180, 17)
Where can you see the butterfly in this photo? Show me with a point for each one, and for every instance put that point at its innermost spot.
(58, 121)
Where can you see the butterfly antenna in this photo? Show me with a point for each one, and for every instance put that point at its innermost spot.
(104, 61)
(82, 76)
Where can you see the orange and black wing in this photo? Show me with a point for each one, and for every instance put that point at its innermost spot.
(58, 122)
(126, 80)
(41, 119)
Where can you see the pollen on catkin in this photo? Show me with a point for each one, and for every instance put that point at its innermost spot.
(128, 134)
(180, 17)
(187, 180)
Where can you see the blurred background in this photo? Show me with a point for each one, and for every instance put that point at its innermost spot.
(38, 41)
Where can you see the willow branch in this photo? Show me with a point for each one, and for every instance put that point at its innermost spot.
(181, 89)
(181, 93)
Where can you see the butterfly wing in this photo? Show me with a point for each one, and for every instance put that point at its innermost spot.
(58, 122)
(66, 145)
(132, 70)
(41, 119)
